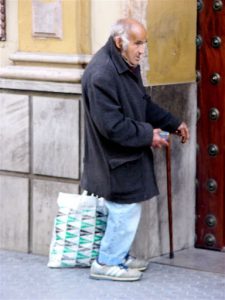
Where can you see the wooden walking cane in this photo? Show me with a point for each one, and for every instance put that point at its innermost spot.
(169, 195)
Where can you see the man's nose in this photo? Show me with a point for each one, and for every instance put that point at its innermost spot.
(142, 49)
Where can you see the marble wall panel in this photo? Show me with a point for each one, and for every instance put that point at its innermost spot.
(47, 18)
(44, 210)
(147, 242)
(14, 213)
(56, 137)
(14, 132)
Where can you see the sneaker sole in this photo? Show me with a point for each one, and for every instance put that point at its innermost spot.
(106, 277)
(140, 269)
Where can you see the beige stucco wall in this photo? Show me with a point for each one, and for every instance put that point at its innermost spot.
(103, 15)
(86, 25)
(74, 17)
(11, 44)
(171, 41)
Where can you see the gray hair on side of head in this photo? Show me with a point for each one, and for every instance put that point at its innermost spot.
(121, 29)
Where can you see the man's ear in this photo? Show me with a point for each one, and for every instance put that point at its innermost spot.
(118, 42)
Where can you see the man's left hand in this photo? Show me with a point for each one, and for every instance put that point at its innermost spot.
(183, 131)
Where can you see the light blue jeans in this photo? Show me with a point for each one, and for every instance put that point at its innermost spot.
(122, 224)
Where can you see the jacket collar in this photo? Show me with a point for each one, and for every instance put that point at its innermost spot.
(116, 57)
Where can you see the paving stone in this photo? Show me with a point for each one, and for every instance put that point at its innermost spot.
(26, 276)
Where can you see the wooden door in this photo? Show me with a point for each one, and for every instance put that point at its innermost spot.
(210, 191)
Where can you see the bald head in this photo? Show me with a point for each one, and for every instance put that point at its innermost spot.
(126, 28)
(130, 38)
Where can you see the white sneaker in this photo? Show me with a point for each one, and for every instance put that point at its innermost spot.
(118, 273)
(135, 263)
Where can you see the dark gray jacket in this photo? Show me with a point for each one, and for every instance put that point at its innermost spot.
(119, 122)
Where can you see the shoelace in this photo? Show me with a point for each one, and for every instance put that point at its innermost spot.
(122, 266)
(129, 257)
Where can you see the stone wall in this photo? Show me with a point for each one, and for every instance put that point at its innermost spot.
(39, 157)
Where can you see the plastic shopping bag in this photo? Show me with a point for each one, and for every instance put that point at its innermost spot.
(78, 229)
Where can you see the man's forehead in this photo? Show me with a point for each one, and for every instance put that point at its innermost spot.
(138, 34)
(138, 39)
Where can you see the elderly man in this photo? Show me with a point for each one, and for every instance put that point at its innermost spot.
(122, 124)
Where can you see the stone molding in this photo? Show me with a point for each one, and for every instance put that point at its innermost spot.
(42, 73)
(81, 59)
(44, 78)
(40, 86)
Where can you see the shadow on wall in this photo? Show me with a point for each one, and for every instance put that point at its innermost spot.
(153, 237)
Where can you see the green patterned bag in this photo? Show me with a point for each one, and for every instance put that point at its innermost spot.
(78, 229)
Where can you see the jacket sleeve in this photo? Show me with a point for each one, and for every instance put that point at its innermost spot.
(160, 118)
(107, 115)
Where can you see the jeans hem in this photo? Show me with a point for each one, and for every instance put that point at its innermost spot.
(104, 259)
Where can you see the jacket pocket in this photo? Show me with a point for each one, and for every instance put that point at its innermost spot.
(126, 176)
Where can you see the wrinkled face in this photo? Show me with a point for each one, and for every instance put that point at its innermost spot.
(135, 49)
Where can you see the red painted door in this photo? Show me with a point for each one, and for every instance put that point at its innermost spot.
(210, 191)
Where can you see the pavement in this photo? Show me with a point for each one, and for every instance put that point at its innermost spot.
(26, 276)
